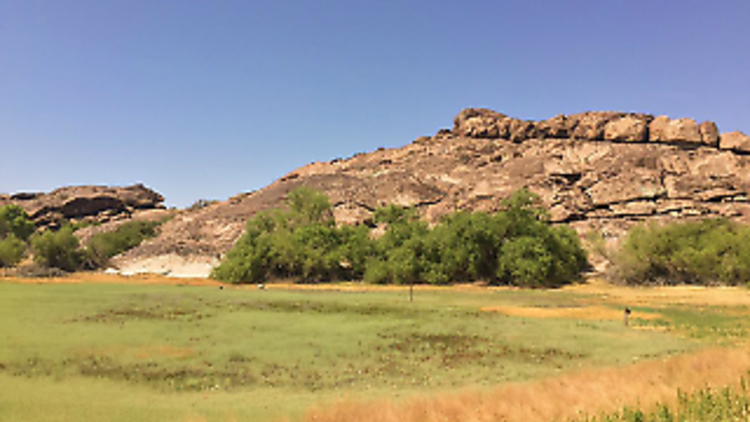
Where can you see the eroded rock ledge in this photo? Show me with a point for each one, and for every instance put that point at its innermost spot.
(613, 126)
(95, 204)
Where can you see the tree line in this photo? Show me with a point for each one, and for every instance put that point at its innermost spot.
(516, 246)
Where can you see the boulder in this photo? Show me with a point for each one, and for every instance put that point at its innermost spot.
(664, 129)
(709, 133)
(590, 125)
(556, 127)
(630, 128)
(521, 130)
(480, 123)
(735, 141)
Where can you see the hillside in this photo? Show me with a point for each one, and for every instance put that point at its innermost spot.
(603, 171)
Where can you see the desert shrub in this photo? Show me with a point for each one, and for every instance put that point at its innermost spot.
(12, 250)
(101, 247)
(704, 252)
(57, 249)
(201, 204)
(15, 221)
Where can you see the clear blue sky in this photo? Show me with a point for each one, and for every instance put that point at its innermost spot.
(206, 99)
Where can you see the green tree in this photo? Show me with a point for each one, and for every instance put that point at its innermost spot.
(309, 206)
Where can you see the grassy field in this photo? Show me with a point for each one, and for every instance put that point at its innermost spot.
(125, 351)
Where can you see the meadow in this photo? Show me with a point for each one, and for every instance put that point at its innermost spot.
(132, 350)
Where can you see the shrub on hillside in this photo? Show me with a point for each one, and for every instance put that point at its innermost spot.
(705, 252)
(14, 221)
(57, 249)
(101, 247)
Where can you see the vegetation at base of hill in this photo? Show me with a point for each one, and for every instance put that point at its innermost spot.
(12, 250)
(516, 246)
(713, 251)
(101, 247)
(726, 404)
(61, 249)
(15, 229)
(57, 249)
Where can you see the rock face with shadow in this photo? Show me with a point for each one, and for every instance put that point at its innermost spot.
(92, 204)
(602, 171)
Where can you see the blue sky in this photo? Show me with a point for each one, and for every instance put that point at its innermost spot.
(207, 99)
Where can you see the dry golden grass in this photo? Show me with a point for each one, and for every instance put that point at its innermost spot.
(582, 312)
(654, 296)
(558, 398)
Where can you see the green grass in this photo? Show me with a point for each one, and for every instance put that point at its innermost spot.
(723, 325)
(111, 352)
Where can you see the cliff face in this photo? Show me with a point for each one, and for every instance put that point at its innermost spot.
(601, 171)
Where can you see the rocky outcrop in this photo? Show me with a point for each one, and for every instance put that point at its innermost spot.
(594, 126)
(628, 128)
(664, 129)
(97, 204)
(735, 141)
(602, 171)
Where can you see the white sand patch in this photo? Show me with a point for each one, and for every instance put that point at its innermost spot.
(170, 265)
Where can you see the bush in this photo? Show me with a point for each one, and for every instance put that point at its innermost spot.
(57, 249)
(101, 247)
(12, 250)
(14, 221)
(705, 252)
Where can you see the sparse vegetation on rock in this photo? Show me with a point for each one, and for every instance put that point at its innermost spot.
(103, 246)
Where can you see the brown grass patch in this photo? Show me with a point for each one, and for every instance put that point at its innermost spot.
(139, 352)
(148, 352)
(582, 312)
(669, 295)
(558, 398)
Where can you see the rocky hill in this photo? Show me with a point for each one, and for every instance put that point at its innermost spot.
(94, 204)
(602, 171)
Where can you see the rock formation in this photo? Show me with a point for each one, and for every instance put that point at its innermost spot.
(97, 204)
(602, 171)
